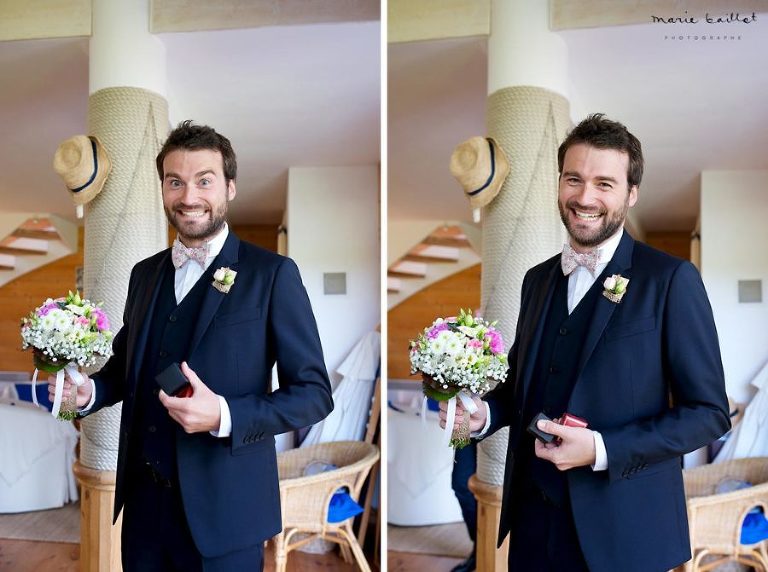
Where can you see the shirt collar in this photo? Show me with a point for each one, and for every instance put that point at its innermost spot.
(217, 242)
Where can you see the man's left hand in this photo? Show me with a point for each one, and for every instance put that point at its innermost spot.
(576, 448)
(198, 413)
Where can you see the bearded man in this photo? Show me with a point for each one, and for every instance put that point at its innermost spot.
(620, 335)
(197, 476)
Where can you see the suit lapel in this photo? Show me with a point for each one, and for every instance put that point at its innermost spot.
(213, 298)
(621, 263)
(529, 347)
(152, 289)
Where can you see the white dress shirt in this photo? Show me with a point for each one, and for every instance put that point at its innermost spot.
(184, 279)
(579, 282)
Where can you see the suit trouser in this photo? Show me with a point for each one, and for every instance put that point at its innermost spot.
(543, 536)
(156, 537)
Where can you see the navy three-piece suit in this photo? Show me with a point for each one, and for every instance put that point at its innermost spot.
(228, 486)
(646, 373)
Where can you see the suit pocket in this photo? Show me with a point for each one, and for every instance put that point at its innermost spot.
(630, 328)
(238, 317)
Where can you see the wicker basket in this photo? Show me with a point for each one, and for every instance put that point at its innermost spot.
(305, 499)
(715, 520)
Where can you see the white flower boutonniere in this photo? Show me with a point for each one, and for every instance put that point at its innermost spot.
(223, 279)
(615, 287)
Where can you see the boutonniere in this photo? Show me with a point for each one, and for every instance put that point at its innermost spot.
(615, 287)
(223, 279)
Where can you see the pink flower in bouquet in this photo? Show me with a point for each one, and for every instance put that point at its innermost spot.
(102, 322)
(475, 344)
(495, 341)
(435, 330)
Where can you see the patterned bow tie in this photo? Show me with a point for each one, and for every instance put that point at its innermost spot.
(180, 254)
(571, 259)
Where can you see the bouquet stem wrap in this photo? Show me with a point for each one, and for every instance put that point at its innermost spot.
(461, 438)
(76, 376)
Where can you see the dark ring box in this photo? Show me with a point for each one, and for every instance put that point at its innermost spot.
(538, 433)
(173, 382)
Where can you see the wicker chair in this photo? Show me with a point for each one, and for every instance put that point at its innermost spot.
(715, 520)
(304, 500)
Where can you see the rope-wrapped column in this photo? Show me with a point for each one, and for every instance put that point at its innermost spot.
(521, 228)
(124, 224)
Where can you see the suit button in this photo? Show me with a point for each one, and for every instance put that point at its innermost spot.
(163, 353)
(563, 331)
(554, 369)
(152, 429)
(172, 318)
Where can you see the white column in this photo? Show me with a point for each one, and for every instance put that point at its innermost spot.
(528, 115)
(124, 224)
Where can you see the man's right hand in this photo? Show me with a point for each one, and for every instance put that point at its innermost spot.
(83, 392)
(476, 420)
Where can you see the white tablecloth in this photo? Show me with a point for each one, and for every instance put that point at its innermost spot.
(36, 457)
(419, 489)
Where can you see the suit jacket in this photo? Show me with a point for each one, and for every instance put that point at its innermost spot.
(650, 380)
(229, 486)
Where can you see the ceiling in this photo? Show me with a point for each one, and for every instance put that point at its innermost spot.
(694, 104)
(305, 95)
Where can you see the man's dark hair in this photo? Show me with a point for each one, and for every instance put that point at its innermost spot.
(602, 133)
(191, 137)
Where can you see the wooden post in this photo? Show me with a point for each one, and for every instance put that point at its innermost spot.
(99, 539)
(489, 558)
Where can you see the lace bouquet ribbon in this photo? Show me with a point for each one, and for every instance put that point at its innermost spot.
(74, 374)
(452, 435)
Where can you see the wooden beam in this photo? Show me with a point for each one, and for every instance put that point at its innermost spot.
(194, 15)
(36, 19)
(569, 14)
(417, 20)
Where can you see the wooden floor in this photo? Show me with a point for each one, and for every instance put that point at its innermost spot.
(409, 562)
(28, 556)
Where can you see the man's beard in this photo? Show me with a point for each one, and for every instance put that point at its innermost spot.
(611, 223)
(214, 224)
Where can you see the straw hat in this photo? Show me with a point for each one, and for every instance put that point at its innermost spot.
(480, 166)
(84, 165)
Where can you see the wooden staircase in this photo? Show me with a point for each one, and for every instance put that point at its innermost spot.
(447, 249)
(30, 241)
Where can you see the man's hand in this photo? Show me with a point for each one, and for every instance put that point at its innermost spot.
(83, 391)
(198, 413)
(576, 449)
(476, 420)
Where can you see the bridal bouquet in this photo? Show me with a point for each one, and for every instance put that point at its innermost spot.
(64, 334)
(457, 357)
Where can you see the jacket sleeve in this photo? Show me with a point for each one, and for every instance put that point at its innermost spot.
(304, 396)
(110, 381)
(693, 373)
(501, 399)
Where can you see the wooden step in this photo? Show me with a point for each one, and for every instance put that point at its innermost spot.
(432, 253)
(15, 245)
(408, 269)
(7, 262)
(40, 228)
(394, 285)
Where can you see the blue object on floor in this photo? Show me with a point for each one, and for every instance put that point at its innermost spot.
(755, 527)
(342, 507)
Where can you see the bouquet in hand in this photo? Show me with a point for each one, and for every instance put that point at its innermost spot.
(458, 357)
(64, 334)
